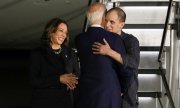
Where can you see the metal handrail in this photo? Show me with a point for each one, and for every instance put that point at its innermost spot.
(165, 30)
(166, 86)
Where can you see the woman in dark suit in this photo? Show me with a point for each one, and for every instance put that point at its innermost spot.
(53, 68)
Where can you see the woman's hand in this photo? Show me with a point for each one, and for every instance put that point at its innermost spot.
(103, 49)
(70, 80)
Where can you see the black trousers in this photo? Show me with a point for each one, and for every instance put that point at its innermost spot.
(130, 98)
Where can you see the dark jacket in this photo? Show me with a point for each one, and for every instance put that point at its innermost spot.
(99, 83)
(131, 63)
(45, 69)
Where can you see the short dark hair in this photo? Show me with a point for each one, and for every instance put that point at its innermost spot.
(120, 12)
(51, 27)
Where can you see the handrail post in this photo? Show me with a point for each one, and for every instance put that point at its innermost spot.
(166, 87)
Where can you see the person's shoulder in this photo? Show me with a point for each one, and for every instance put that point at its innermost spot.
(116, 36)
(113, 35)
(66, 48)
(80, 35)
(69, 48)
(131, 37)
(73, 51)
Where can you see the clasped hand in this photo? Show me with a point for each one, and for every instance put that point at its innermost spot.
(70, 80)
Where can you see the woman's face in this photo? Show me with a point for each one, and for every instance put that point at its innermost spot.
(58, 37)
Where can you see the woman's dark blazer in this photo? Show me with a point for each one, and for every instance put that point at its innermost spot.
(45, 69)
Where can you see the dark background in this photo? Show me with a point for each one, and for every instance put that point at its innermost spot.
(15, 89)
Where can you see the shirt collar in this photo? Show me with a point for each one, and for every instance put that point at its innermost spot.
(97, 25)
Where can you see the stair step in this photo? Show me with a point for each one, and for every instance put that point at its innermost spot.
(149, 60)
(149, 82)
(144, 3)
(149, 48)
(148, 102)
(144, 26)
(150, 94)
(149, 37)
(149, 71)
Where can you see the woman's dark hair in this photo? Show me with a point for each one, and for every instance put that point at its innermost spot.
(51, 27)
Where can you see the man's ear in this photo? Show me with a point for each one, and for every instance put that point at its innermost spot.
(122, 24)
(103, 21)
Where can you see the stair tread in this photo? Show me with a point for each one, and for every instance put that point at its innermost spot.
(144, 26)
(149, 94)
(140, 0)
(144, 3)
(149, 48)
(148, 71)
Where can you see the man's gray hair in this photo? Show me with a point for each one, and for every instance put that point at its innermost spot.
(95, 15)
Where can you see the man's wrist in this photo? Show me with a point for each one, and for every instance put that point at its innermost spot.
(110, 52)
